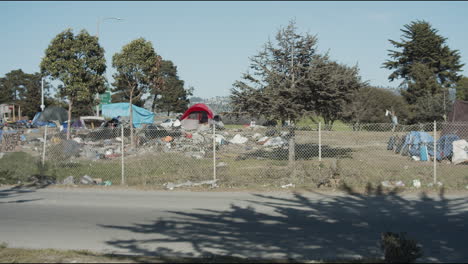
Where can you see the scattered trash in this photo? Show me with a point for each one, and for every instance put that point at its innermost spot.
(107, 183)
(386, 184)
(171, 185)
(399, 184)
(277, 141)
(257, 135)
(197, 138)
(389, 184)
(238, 139)
(432, 184)
(219, 139)
(416, 158)
(69, 180)
(287, 185)
(221, 164)
(97, 181)
(416, 183)
(86, 180)
(78, 140)
(168, 139)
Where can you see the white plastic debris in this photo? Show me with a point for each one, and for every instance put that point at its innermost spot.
(399, 184)
(118, 139)
(387, 184)
(221, 164)
(416, 158)
(238, 139)
(219, 139)
(176, 123)
(69, 180)
(287, 185)
(86, 180)
(460, 151)
(276, 141)
(417, 183)
(78, 140)
(257, 135)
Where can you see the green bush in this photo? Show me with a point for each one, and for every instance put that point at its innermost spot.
(398, 249)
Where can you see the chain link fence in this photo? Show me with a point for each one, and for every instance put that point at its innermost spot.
(247, 157)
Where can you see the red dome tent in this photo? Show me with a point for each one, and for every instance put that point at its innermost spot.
(194, 116)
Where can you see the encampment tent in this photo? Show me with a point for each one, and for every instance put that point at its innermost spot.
(194, 116)
(51, 113)
(140, 115)
(418, 144)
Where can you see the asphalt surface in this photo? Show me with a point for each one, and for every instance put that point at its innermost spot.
(302, 226)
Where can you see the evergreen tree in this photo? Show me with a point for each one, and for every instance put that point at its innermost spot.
(171, 97)
(274, 87)
(328, 88)
(421, 44)
(462, 89)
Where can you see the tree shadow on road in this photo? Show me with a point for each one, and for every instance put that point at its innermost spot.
(326, 227)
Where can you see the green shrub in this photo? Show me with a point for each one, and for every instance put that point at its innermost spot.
(398, 249)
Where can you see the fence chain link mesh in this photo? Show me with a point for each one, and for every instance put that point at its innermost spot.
(316, 157)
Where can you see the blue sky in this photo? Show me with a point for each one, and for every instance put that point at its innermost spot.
(211, 42)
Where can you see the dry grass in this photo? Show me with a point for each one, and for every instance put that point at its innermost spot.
(355, 158)
(19, 255)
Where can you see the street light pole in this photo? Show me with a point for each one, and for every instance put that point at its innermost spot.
(42, 94)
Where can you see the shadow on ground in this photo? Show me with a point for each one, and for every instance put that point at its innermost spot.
(299, 228)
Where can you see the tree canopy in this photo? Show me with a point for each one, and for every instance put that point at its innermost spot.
(137, 66)
(78, 62)
(462, 89)
(23, 89)
(273, 88)
(290, 78)
(421, 44)
(172, 96)
(428, 68)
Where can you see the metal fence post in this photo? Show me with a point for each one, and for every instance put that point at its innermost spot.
(320, 140)
(435, 152)
(214, 152)
(44, 148)
(122, 181)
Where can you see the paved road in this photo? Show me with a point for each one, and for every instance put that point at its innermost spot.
(258, 225)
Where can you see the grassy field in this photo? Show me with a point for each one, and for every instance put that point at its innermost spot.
(356, 158)
(19, 255)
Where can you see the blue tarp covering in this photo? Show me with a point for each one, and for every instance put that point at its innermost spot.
(36, 121)
(445, 146)
(140, 115)
(415, 139)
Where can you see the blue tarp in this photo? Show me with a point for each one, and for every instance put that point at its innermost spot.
(415, 139)
(36, 121)
(140, 115)
(445, 146)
